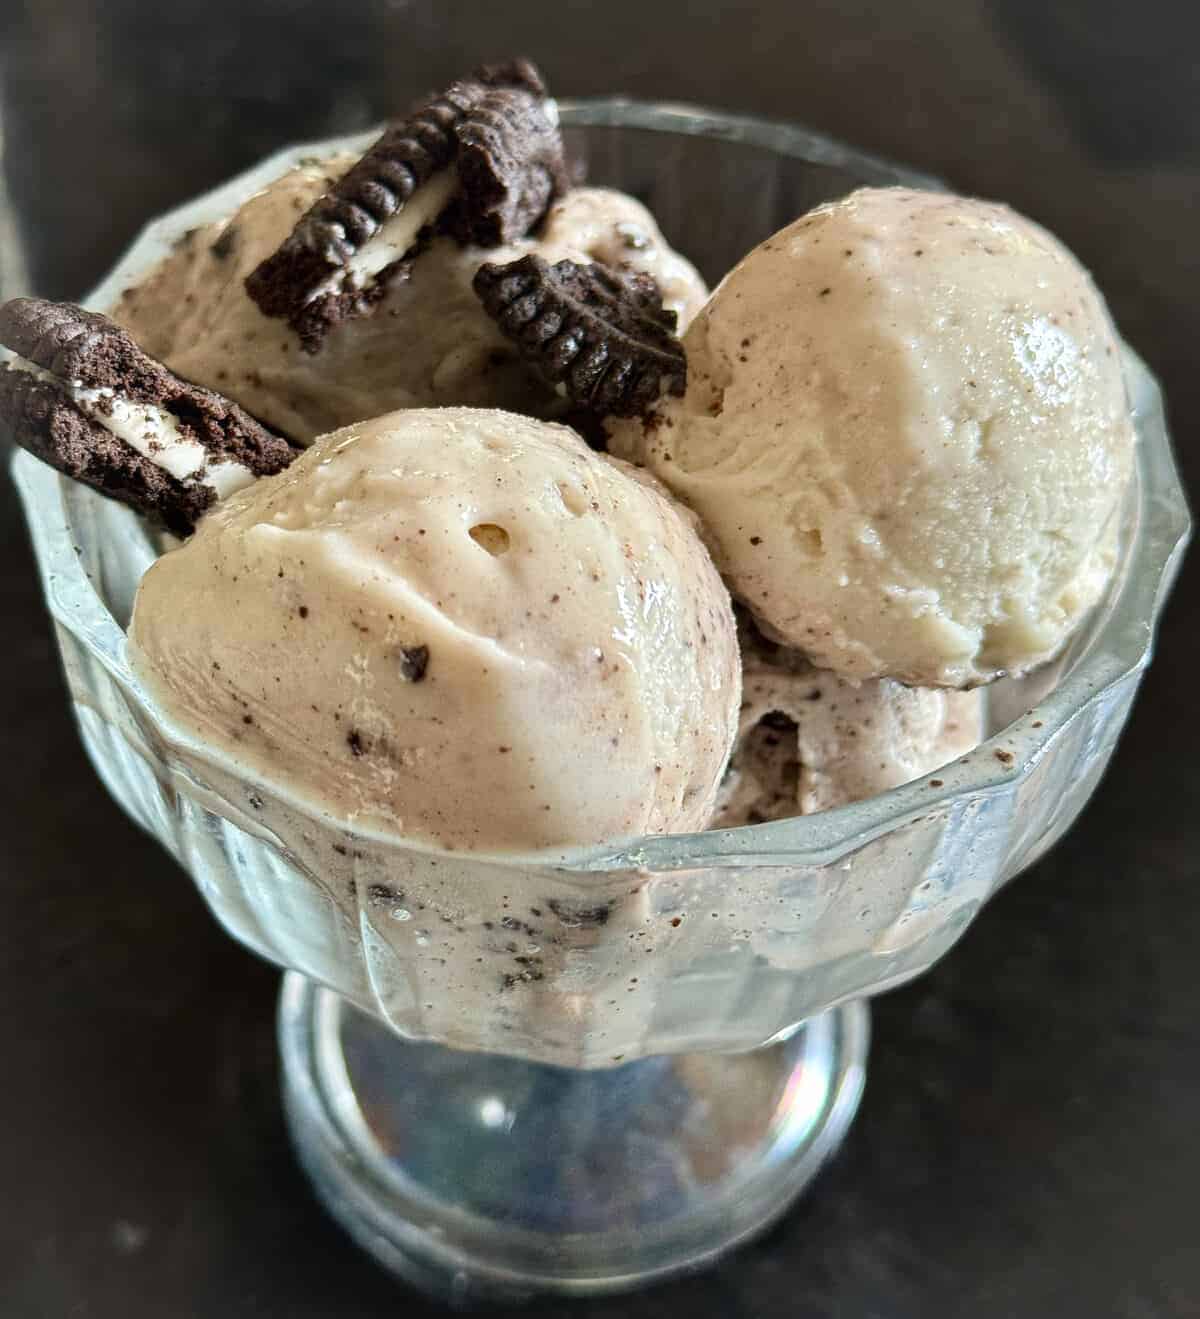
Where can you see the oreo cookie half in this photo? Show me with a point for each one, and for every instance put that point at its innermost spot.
(510, 168)
(481, 160)
(83, 397)
(604, 339)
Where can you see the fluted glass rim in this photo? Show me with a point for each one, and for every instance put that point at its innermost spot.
(1120, 645)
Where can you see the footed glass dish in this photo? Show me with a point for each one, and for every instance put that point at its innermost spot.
(511, 1076)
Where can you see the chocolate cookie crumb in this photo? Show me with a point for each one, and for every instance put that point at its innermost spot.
(580, 916)
(414, 660)
(226, 242)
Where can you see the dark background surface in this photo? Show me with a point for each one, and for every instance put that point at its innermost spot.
(1029, 1143)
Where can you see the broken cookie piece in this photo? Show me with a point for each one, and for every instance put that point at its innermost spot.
(482, 159)
(83, 397)
(602, 337)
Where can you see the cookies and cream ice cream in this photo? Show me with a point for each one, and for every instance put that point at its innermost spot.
(428, 341)
(446, 639)
(906, 431)
(457, 626)
(809, 740)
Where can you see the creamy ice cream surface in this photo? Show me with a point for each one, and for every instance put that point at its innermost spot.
(907, 433)
(428, 343)
(809, 740)
(456, 626)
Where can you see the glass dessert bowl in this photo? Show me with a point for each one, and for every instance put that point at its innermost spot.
(510, 1076)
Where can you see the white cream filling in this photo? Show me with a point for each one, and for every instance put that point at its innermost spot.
(149, 430)
(227, 477)
(395, 236)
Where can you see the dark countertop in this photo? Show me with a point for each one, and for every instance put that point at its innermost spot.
(1028, 1142)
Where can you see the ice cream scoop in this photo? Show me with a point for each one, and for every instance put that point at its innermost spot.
(457, 626)
(906, 430)
(809, 740)
(428, 341)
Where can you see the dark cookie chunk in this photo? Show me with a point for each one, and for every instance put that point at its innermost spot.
(40, 417)
(77, 348)
(513, 163)
(510, 168)
(605, 337)
(580, 916)
(414, 660)
(226, 243)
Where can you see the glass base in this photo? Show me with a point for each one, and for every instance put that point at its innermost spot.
(481, 1177)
